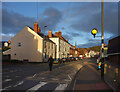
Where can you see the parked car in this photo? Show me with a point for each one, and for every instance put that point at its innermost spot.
(77, 58)
(56, 61)
(64, 60)
(68, 59)
(60, 60)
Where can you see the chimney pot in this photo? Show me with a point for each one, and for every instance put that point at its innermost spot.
(36, 27)
(50, 33)
(59, 33)
(39, 30)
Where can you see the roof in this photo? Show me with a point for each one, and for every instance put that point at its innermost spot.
(62, 38)
(42, 35)
(114, 45)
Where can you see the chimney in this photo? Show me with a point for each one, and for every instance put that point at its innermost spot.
(59, 33)
(50, 33)
(56, 33)
(36, 27)
(67, 40)
(39, 30)
(75, 46)
(9, 41)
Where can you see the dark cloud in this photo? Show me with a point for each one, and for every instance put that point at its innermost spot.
(51, 18)
(13, 22)
(93, 19)
(73, 34)
(87, 45)
(68, 37)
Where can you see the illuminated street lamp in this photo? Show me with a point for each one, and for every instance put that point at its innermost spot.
(94, 32)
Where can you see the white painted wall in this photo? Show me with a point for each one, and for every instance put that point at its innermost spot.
(30, 48)
(62, 47)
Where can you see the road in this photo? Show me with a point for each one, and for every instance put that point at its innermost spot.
(37, 77)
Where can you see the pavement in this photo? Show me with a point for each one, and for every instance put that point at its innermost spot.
(88, 79)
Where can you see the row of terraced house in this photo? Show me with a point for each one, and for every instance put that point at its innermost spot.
(33, 46)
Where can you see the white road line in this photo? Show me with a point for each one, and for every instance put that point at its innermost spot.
(61, 87)
(34, 75)
(36, 87)
(8, 80)
(7, 87)
(69, 77)
(20, 83)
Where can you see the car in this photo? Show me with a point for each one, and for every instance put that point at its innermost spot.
(56, 61)
(72, 58)
(68, 59)
(76, 58)
(60, 60)
(64, 60)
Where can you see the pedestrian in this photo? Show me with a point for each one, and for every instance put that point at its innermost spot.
(50, 60)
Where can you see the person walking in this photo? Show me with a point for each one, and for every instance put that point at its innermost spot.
(50, 60)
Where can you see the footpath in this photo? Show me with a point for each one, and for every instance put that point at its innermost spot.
(88, 79)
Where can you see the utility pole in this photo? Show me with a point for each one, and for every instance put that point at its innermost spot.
(44, 47)
(94, 32)
(102, 40)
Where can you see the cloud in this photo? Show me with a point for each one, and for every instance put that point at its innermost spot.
(67, 37)
(90, 17)
(13, 22)
(6, 37)
(51, 17)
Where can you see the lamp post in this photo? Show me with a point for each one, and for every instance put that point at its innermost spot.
(94, 32)
(44, 47)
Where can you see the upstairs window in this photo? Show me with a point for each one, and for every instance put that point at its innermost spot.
(19, 44)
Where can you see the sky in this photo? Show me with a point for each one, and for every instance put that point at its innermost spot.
(75, 20)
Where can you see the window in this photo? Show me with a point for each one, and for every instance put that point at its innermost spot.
(19, 44)
(48, 45)
(45, 44)
(52, 46)
(65, 49)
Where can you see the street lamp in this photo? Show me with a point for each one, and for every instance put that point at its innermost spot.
(94, 32)
(44, 47)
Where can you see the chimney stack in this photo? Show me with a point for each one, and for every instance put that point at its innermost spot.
(75, 45)
(36, 27)
(39, 30)
(50, 33)
(9, 41)
(56, 33)
(59, 33)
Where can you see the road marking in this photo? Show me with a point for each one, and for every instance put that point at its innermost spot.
(67, 80)
(34, 75)
(7, 87)
(8, 80)
(20, 83)
(69, 77)
(61, 87)
(36, 87)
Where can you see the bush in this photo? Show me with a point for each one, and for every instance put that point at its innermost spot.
(5, 48)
